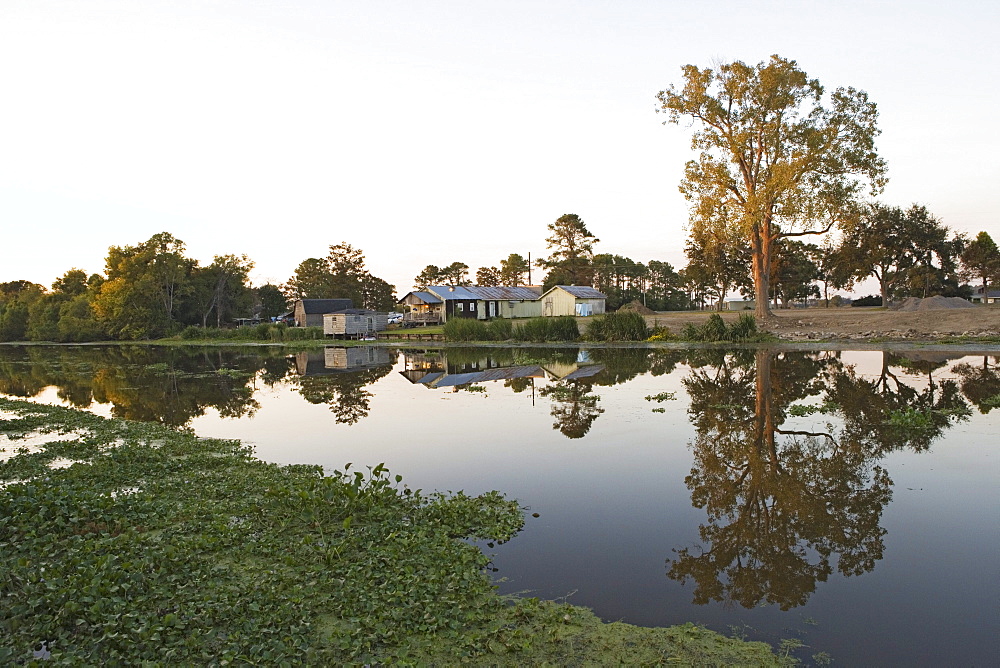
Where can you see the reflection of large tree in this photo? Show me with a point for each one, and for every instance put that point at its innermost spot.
(573, 407)
(785, 507)
(344, 392)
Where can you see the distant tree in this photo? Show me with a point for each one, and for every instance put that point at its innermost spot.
(572, 246)
(981, 260)
(877, 244)
(430, 275)
(934, 266)
(773, 154)
(311, 280)
(793, 272)
(272, 301)
(16, 298)
(222, 288)
(340, 275)
(513, 270)
(72, 283)
(718, 257)
(666, 288)
(456, 273)
(488, 276)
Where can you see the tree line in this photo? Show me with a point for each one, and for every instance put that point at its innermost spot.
(153, 289)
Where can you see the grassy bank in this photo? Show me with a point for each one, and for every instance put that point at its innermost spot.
(129, 542)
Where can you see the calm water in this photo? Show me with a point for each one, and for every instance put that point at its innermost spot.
(846, 499)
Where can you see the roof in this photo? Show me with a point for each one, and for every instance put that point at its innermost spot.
(474, 292)
(582, 291)
(425, 297)
(355, 311)
(325, 305)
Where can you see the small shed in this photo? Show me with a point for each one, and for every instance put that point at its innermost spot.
(309, 312)
(354, 323)
(573, 300)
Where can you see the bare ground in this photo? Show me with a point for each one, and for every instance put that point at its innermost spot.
(854, 324)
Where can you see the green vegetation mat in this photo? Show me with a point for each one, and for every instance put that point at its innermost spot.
(126, 542)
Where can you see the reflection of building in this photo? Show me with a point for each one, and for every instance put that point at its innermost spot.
(333, 359)
(435, 370)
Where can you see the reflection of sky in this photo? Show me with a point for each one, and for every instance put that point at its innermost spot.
(614, 504)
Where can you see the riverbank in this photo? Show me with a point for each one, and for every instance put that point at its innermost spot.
(128, 542)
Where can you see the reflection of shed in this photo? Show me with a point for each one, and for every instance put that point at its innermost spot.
(573, 300)
(334, 359)
(309, 312)
(354, 323)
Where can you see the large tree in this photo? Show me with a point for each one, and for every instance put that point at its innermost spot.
(572, 246)
(774, 151)
(145, 287)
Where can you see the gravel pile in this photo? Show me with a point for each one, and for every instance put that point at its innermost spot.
(936, 303)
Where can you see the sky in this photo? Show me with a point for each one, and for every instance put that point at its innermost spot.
(428, 132)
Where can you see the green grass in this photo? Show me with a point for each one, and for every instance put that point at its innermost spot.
(157, 546)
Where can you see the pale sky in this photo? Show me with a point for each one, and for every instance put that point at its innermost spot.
(428, 132)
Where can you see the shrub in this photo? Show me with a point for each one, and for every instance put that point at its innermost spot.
(465, 329)
(192, 332)
(715, 329)
(870, 300)
(618, 326)
(500, 329)
(563, 328)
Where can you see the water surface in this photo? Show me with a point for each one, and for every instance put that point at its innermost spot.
(845, 499)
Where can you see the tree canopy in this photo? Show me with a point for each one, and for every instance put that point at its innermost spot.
(774, 152)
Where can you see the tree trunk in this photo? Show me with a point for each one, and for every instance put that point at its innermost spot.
(760, 246)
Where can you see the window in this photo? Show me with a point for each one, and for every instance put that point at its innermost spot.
(460, 306)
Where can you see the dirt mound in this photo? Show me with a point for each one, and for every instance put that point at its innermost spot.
(936, 303)
(638, 307)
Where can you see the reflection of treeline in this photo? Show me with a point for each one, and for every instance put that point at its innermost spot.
(167, 385)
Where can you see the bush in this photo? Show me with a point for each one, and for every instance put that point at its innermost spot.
(465, 329)
(192, 332)
(870, 300)
(618, 326)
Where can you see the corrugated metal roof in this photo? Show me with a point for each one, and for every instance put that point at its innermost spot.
(423, 296)
(471, 292)
(505, 292)
(583, 291)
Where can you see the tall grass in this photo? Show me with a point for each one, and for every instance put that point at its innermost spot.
(715, 329)
(618, 326)
(559, 328)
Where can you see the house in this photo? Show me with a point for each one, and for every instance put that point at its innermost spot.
(573, 300)
(992, 296)
(439, 302)
(354, 323)
(309, 312)
(740, 304)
